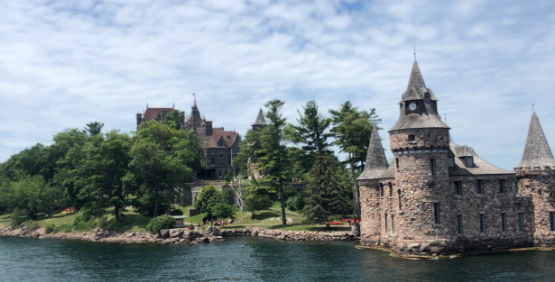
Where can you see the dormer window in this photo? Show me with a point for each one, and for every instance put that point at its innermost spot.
(221, 142)
(412, 138)
(469, 161)
(229, 137)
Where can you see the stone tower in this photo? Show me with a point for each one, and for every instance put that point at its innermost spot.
(376, 165)
(419, 141)
(536, 178)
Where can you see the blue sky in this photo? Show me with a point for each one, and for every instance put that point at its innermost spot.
(66, 63)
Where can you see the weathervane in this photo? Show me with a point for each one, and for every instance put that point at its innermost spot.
(415, 52)
(533, 108)
(195, 95)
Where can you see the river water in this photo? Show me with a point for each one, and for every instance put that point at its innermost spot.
(251, 259)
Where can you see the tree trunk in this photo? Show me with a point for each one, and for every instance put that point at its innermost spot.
(283, 219)
(155, 214)
(356, 202)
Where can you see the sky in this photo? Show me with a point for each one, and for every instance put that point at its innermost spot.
(66, 63)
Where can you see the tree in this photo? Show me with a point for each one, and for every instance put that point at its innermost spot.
(239, 190)
(311, 130)
(212, 202)
(32, 194)
(229, 176)
(352, 129)
(250, 151)
(324, 193)
(273, 158)
(162, 158)
(174, 119)
(94, 128)
(100, 177)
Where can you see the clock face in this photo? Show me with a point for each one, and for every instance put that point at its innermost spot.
(412, 106)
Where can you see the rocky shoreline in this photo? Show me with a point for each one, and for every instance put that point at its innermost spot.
(180, 235)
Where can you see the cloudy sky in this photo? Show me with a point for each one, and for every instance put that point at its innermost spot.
(66, 63)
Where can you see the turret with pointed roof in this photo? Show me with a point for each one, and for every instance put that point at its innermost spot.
(260, 120)
(424, 113)
(376, 162)
(536, 151)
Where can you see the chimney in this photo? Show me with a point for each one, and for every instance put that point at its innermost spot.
(139, 119)
(208, 128)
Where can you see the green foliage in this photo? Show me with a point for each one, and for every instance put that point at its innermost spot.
(63, 228)
(296, 203)
(213, 203)
(15, 221)
(324, 194)
(145, 204)
(31, 225)
(174, 119)
(311, 130)
(176, 212)
(94, 128)
(80, 224)
(229, 176)
(161, 158)
(160, 222)
(50, 227)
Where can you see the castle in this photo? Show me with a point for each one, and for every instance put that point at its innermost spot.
(439, 198)
(220, 146)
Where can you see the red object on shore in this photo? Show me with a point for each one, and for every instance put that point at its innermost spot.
(190, 227)
(347, 220)
(335, 223)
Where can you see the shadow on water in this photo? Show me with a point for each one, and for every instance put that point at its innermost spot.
(251, 259)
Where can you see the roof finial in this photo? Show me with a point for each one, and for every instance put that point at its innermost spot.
(415, 52)
(445, 114)
(147, 105)
(195, 95)
(533, 110)
(173, 105)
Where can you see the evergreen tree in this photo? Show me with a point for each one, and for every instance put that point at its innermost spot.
(352, 129)
(94, 128)
(324, 194)
(311, 130)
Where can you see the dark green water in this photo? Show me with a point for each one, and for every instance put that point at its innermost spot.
(250, 259)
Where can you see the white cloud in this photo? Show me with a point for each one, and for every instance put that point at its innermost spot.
(67, 63)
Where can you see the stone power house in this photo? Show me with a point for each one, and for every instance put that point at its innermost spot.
(439, 198)
(220, 146)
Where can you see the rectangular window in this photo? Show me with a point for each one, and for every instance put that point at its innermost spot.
(381, 189)
(436, 212)
(501, 185)
(459, 224)
(482, 229)
(480, 186)
(433, 168)
(469, 161)
(552, 220)
(520, 221)
(400, 199)
(412, 138)
(451, 162)
(390, 189)
(458, 188)
(386, 222)
(503, 222)
(212, 160)
(392, 224)
(397, 163)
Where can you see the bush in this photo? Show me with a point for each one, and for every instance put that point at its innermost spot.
(104, 223)
(80, 224)
(31, 225)
(50, 227)
(14, 222)
(160, 222)
(63, 228)
(176, 212)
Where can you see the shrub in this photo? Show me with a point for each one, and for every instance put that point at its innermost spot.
(14, 222)
(176, 212)
(80, 224)
(104, 223)
(50, 227)
(31, 225)
(63, 228)
(161, 222)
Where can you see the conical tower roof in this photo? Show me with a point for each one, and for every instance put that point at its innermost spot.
(376, 162)
(260, 120)
(536, 151)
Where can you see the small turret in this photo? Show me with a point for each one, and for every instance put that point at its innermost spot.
(376, 162)
(536, 151)
(260, 120)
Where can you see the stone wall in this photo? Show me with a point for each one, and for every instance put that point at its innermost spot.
(539, 184)
(277, 234)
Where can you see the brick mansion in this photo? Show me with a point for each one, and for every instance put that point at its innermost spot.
(439, 198)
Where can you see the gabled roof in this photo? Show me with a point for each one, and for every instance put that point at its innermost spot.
(376, 162)
(228, 137)
(536, 151)
(260, 120)
(151, 113)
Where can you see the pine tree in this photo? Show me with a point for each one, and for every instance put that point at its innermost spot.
(325, 195)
